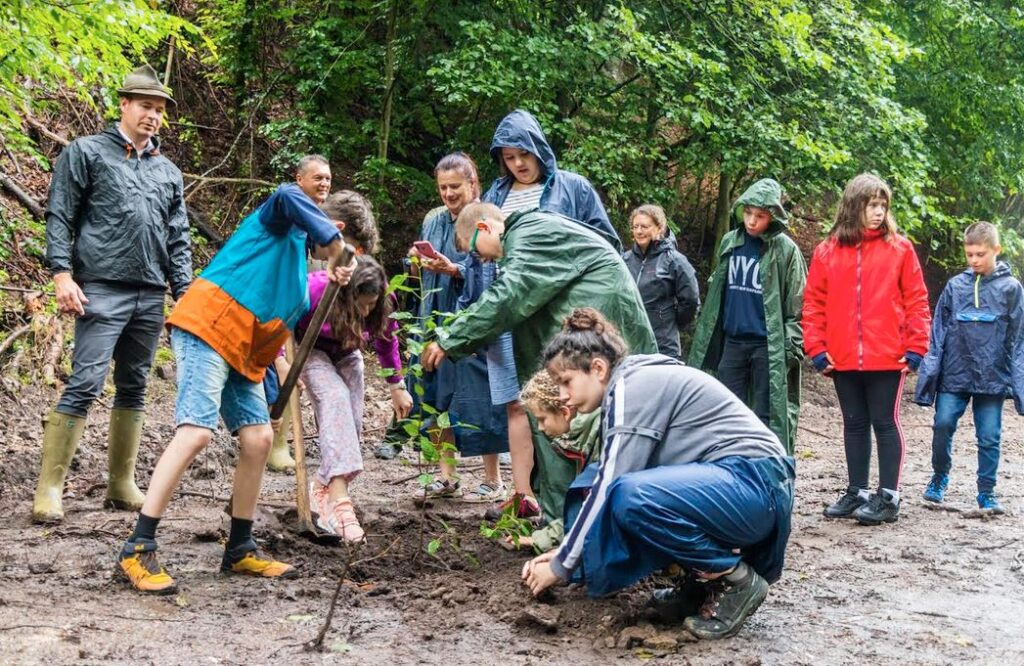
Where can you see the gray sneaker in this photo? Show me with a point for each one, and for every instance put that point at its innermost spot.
(438, 489)
(486, 493)
(728, 607)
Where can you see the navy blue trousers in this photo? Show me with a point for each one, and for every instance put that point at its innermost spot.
(693, 515)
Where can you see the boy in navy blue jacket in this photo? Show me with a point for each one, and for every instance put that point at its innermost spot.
(976, 355)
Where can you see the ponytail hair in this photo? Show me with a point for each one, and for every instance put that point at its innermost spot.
(462, 164)
(585, 335)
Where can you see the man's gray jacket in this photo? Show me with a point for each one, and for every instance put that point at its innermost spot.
(114, 215)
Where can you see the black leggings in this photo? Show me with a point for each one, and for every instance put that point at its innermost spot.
(872, 400)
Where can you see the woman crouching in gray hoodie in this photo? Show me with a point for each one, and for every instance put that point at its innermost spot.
(688, 476)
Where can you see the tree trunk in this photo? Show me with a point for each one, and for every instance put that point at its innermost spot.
(389, 87)
(722, 211)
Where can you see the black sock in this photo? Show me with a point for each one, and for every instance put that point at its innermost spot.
(241, 532)
(145, 528)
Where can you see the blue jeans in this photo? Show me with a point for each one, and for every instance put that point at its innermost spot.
(988, 425)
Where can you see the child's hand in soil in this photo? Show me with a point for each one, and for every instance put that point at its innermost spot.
(401, 401)
(538, 575)
(512, 544)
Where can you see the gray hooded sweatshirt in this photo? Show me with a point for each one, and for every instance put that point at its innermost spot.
(658, 411)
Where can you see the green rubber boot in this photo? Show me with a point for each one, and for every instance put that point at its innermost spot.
(122, 449)
(280, 459)
(61, 434)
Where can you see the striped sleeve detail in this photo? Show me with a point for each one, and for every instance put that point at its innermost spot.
(518, 200)
(572, 548)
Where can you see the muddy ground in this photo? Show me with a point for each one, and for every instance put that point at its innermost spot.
(938, 587)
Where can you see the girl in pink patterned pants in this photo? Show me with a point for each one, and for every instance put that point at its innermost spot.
(333, 377)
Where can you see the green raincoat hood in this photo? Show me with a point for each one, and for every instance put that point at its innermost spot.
(765, 193)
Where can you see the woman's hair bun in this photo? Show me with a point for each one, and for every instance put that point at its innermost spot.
(585, 319)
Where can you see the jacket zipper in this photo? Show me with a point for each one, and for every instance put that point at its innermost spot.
(860, 323)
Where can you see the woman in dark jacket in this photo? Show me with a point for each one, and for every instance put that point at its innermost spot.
(666, 280)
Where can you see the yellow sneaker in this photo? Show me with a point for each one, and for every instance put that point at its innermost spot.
(139, 564)
(252, 565)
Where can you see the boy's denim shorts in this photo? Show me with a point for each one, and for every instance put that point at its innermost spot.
(207, 385)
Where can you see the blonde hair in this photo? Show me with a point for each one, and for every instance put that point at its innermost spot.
(982, 233)
(541, 394)
(472, 214)
(653, 211)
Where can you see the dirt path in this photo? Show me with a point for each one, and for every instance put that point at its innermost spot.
(935, 588)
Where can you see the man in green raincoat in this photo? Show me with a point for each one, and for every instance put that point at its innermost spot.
(748, 333)
(548, 265)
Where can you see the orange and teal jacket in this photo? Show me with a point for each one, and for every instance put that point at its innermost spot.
(254, 291)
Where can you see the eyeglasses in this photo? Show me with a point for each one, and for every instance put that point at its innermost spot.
(472, 241)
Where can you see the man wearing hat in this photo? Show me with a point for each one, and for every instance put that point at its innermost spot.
(116, 236)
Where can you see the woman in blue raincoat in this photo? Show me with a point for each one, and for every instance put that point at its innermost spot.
(479, 429)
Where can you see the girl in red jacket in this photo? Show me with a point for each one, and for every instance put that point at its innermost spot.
(866, 323)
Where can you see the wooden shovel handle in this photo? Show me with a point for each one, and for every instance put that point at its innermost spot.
(344, 258)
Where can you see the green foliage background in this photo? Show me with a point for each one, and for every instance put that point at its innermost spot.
(682, 103)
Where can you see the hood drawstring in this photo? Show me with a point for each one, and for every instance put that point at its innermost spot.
(977, 301)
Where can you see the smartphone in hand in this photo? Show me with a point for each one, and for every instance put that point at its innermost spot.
(426, 249)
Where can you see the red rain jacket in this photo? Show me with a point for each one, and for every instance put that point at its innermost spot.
(866, 305)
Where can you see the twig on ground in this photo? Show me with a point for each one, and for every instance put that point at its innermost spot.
(23, 290)
(218, 498)
(318, 642)
(801, 426)
(996, 547)
(15, 334)
(941, 507)
(70, 530)
(149, 619)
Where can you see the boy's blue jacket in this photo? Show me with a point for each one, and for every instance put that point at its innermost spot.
(565, 192)
(977, 343)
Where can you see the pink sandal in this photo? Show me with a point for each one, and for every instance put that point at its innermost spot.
(341, 521)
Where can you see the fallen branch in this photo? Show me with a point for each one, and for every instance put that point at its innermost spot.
(46, 131)
(224, 179)
(23, 197)
(218, 498)
(51, 361)
(11, 627)
(205, 229)
(23, 290)
(932, 506)
(15, 334)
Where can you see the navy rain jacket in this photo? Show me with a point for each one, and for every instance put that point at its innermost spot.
(977, 343)
(565, 192)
